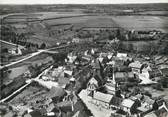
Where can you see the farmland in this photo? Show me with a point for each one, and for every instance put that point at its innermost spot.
(123, 21)
(154, 13)
(59, 26)
(127, 22)
(142, 22)
(30, 94)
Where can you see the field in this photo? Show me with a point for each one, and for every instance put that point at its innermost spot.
(30, 95)
(154, 13)
(45, 15)
(39, 16)
(50, 31)
(142, 22)
(128, 22)
(20, 17)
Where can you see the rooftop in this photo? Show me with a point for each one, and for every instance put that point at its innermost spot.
(127, 103)
(102, 97)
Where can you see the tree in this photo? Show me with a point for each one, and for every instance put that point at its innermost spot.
(111, 37)
(5, 50)
(118, 34)
(43, 45)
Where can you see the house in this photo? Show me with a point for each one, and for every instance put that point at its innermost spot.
(130, 75)
(115, 40)
(87, 58)
(110, 55)
(135, 67)
(151, 114)
(120, 61)
(146, 104)
(72, 79)
(102, 98)
(93, 84)
(82, 40)
(58, 72)
(16, 51)
(129, 105)
(110, 88)
(121, 55)
(47, 77)
(162, 112)
(100, 59)
(120, 76)
(75, 40)
(68, 72)
(71, 58)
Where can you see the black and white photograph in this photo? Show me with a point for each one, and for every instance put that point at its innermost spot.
(83, 58)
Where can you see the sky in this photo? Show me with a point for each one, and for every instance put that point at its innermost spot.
(80, 1)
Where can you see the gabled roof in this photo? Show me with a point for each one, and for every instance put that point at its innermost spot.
(120, 75)
(93, 80)
(148, 100)
(121, 54)
(130, 75)
(127, 103)
(110, 88)
(135, 64)
(102, 97)
(143, 109)
(161, 112)
(69, 72)
(152, 114)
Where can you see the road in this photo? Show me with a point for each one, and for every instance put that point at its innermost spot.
(28, 82)
(33, 54)
(11, 43)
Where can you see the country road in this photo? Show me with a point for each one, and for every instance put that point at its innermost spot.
(28, 82)
(32, 55)
(11, 43)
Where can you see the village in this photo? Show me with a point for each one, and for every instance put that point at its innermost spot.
(83, 63)
(109, 84)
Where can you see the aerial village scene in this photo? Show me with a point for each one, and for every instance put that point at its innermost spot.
(84, 60)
